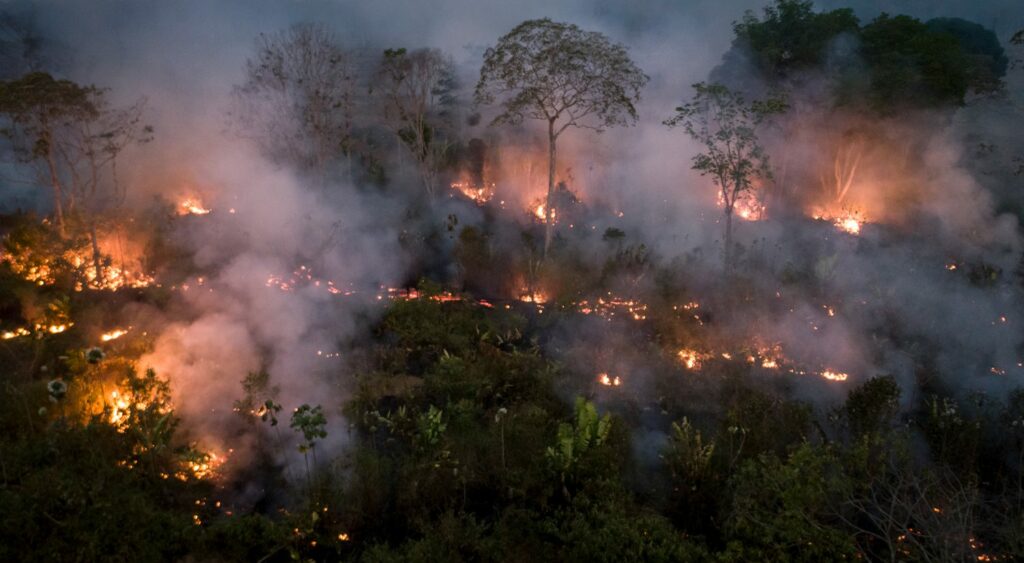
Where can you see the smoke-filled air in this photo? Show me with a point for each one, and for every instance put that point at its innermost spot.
(511, 280)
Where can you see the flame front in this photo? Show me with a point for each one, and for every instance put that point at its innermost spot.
(846, 220)
(479, 193)
(834, 375)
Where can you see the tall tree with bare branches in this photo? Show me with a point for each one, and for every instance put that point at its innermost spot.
(298, 97)
(564, 75)
(417, 90)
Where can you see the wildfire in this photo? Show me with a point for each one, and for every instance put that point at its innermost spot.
(691, 358)
(848, 224)
(83, 262)
(55, 328)
(533, 297)
(412, 294)
(539, 210)
(834, 375)
(748, 208)
(609, 381)
(114, 334)
(118, 408)
(203, 468)
(192, 206)
(479, 193)
(112, 277)
(607, 308)
(846, 221)
(303, 276)
(9, 334)
(768, 357)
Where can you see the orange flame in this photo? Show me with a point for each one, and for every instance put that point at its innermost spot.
(608, 381)
(192, 206)
(114, 334)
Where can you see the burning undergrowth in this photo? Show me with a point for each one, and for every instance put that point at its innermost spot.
(262, 288)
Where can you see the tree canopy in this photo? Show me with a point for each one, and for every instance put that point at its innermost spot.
(900, 62)
(297, 99)
(559, 72)
(564, 75)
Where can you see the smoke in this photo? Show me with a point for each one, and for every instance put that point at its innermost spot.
(243, 321)
(896, 306)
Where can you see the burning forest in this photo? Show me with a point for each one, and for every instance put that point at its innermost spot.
(587, 281)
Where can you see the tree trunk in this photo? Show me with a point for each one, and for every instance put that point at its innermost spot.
(58, 194)
(549, 226)
(97, 260)
(728, 238)
(428, 179)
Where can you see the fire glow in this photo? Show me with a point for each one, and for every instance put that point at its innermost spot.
(747, 208)
(691, 358)
(192, 206)
(846, 221)
(834, 375)
(607, 308)
(114, 334)
(609, 381)
(479, 193)
(109, 277)
(539, 209)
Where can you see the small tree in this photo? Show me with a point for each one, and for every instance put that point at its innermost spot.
(573, 441)
(726, 125)
(417, 90)
(564, 75)
(311, 423)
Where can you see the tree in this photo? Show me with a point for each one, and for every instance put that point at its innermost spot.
(987, 60)
(312, 424)
(297, 100)
(726, 124)
(792, 36)
(564, 75)
(780, 508)
(72, 138)
(872, 407)
(913, 64)
(418, 97)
